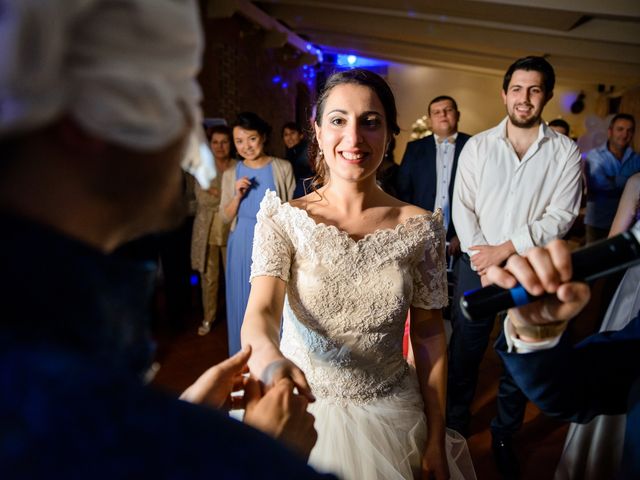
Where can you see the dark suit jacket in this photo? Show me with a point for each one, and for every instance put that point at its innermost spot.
(416, 182)
(598, 376)
(72, 354)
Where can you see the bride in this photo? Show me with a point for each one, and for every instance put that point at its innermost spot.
(346, 263)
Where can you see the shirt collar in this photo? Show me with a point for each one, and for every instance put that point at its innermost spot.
(544, 131)
(604, 148)
(437, 137)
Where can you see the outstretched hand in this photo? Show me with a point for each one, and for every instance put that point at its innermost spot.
(542, 270)
(214, 387)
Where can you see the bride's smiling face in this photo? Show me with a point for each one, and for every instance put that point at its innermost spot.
(353, 132)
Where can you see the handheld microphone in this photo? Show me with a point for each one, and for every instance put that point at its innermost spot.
(589, 263)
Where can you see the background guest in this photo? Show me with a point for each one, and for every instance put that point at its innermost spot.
(209, 238)
(560, 126)
(428, 169)
(297, 153)
(607, 169)
(518, 185)
(243, 188)
(387, 174)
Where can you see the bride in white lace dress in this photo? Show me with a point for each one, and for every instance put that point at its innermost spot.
(342, 266)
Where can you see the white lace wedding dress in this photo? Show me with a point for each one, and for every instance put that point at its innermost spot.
(343, 325)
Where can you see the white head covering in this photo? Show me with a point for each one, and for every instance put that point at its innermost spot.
(123, 69)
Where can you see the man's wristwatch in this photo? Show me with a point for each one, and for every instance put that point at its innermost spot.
(539, 332)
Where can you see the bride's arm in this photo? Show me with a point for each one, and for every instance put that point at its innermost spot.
(430, 353)
(261, 330)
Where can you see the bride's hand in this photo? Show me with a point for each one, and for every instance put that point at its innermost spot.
(434, 462)
(285, 368)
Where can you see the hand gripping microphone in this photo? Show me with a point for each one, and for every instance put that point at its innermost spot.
(589, 263)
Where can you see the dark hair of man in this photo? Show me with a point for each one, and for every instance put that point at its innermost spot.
(558, 122)
(292, 126)
(442, 98)
(251, 121)
(357, 76)
(536, 64)
(623, 116)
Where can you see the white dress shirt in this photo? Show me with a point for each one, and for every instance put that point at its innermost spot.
(530, 201)
(444, 164)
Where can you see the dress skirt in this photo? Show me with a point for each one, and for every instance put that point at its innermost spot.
(381, 439)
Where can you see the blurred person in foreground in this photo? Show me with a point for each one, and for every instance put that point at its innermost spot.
(96, 117)
(598, 376)
(594, 450)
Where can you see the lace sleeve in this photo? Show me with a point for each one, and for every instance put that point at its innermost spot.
(430, 271)
(272, 248)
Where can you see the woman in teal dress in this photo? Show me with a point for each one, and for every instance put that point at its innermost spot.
(242, 191)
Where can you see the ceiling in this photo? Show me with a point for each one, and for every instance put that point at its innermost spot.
(593, 41)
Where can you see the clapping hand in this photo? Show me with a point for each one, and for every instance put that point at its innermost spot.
(539, 271)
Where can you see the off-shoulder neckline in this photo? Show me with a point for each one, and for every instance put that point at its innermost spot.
(411, 220)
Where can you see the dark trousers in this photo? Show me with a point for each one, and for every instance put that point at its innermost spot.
(468, 344)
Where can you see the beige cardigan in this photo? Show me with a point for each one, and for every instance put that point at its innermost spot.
(282, 177)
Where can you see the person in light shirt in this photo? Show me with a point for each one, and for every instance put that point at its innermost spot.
(607, 169)
(518, 186)
(598, 376)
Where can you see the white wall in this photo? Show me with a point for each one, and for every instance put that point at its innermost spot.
(478, 97)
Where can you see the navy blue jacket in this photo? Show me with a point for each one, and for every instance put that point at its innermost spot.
(598, 376)
(416, 181)
(74, 343)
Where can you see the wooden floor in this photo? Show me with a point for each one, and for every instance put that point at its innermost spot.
(183, 355)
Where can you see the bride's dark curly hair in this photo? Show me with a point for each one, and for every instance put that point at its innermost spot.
(356, 76)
